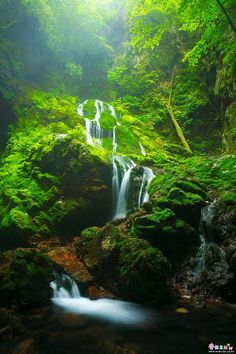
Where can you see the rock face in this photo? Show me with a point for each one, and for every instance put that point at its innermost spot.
(24, 279)
(57, 182)
(170, 220)
(125, 264)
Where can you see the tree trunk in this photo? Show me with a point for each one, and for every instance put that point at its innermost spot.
(223, 9)
(178, 129)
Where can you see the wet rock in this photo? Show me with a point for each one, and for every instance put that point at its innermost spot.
(65, 258)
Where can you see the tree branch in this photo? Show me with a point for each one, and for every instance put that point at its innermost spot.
(230, 21)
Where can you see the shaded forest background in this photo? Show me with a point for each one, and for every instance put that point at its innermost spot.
(135, 53)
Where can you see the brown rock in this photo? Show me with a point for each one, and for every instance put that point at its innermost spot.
(25, 347)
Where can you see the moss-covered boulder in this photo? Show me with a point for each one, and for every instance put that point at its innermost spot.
(164, 230)
(143, 271)
(126, 264)
(90, 233)
(51, 181)
(25, 277)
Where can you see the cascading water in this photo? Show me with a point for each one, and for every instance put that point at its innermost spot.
(66, 296)
(94, 132)
(122, 166)
(142, 149)
(148, 176)
(205, 219)
(121, 184)
(205, 231)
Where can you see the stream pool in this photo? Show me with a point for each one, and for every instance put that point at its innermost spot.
(172, 330)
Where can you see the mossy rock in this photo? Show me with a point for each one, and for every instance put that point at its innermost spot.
(19, 221)
(151, 222)
(57, 181)
(25, 276)
(99, 253)
(143, 271)
(180, 197)
(176, 149)
(90, 233)
(127, 143)
(166, 231)
(89, 109)
(17, 229)
(191, 187)
(177, 194)
(107, 121)
(112, 256)
(228, 198)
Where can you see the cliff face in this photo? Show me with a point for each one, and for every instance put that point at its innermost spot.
(51, 181)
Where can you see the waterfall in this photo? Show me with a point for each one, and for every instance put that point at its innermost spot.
(121, 184)
(122, 166)
(94, 132)
(142, 149)
(66, 297)
(64, 287)
(148, 176)
(114, 142)
(112, 109)
(206, 219)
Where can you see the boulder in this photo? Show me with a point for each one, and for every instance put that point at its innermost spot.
(58, 183)
(164, 230)
(125, 264)
(25, 276)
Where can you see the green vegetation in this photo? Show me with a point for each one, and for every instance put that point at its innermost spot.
(168, 69)
(113, 256)
(25, 277)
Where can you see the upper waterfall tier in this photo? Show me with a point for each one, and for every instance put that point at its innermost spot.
(101, 124)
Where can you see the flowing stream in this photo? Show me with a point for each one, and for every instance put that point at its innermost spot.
(66, 296)
(122, 166)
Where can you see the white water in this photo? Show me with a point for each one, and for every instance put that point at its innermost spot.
(121, 184)
(206, 219)
(148, 176)
(94, 132)
(66, 296)
(122, 166)
(142, 149)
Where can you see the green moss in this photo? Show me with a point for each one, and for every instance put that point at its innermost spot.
(19, 222)
(89, 233)
(228, 198)
(46, 155)
(139, 261)
(90, 109)
(179, 197)
(191, 187)
(168, 229)
(127, 144)
(177, 193)
(160, 216)
(25, 278)
(107, 121)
